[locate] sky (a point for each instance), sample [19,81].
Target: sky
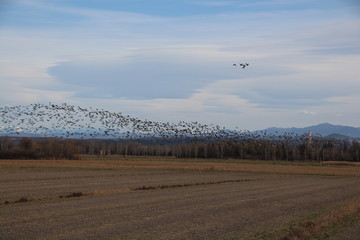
[173,60]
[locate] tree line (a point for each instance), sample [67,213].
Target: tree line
[321,149]
[43,148]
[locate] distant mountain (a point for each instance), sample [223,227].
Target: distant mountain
[324,129]
[342,137]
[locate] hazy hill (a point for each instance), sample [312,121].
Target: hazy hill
[324,129]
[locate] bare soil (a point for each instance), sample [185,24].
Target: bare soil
[156,203]
[196,165]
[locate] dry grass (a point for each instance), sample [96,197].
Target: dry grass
[177,164]
[81,197]
[190,184]
[108,192]
[72,195]
[341,163]
[327,219]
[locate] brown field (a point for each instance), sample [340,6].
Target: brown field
[168,198]
[169,163]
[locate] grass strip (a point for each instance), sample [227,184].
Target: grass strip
[263,167]
[106,192]
[329,218]
[189,184]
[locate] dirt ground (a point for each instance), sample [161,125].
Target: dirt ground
[193,164]
[39,203]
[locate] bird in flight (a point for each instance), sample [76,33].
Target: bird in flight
[242,65]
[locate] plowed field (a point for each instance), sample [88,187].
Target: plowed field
[72,202]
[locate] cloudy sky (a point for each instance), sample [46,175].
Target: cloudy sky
[173,60]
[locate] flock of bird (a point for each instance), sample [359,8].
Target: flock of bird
[53,120]
[243,65]
[68,121]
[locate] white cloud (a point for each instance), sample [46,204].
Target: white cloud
[181,67]
[17,94]
[306,112]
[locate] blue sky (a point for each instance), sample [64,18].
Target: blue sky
[173,60]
